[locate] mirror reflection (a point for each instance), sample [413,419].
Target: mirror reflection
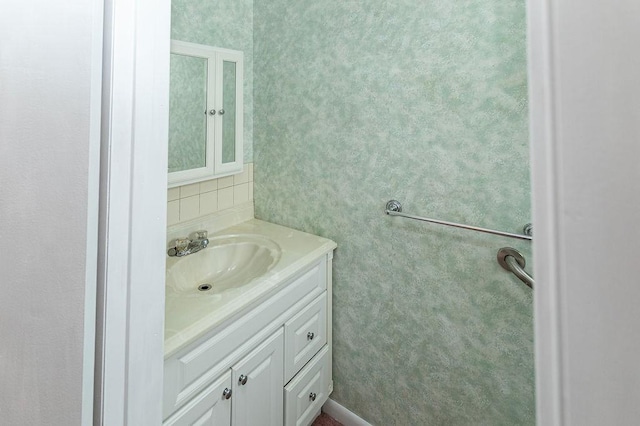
[229,105]
[187,113]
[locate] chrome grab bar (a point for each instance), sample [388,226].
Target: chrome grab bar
[394,208]
[512,260]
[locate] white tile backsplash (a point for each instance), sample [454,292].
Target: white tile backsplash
[208,185]
[173,194]
[225,198]
[241,193]
[212,196]
[225,182]
[241,178]
[173,212]
[189,190]
[208,202]
[189,207]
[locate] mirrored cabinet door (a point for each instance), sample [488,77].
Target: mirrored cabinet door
[230,97]
[205,113]
[187,113]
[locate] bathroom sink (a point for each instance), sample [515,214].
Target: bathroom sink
[229,262]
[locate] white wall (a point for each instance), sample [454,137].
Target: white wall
[49,58]
[586,162]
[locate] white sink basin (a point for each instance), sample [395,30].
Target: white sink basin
[229,262]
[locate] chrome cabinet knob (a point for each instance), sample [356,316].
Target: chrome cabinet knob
[310,336]
[226,393]
[212,112]
[221,112]
[242,380]
[312,396]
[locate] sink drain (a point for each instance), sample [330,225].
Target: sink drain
[204,287]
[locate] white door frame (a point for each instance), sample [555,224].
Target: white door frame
[544,201]
[130,320]
[585,155]
[133,198]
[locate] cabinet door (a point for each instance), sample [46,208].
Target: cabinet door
[211,407]
[229,122]
[258,383]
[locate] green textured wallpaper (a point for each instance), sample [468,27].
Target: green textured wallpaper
[358,102]
[221,23]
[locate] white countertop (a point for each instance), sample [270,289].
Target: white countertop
[188,318]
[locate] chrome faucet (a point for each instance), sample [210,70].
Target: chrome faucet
[187,246]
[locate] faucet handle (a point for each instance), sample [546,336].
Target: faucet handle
[182,244]
[201,234]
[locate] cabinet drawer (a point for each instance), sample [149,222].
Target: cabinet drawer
[304,335]
[308,391]
[208,408]
[193,368]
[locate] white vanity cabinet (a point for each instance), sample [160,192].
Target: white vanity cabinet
[269,365]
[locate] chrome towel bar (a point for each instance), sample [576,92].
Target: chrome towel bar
[394,208]
[512,260]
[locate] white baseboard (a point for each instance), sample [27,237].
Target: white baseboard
[341,414]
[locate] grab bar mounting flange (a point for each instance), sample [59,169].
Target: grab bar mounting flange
[508,251]
[513,261]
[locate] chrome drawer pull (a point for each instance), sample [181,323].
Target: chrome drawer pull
[312,396]
[310,336]
[243,380]
[226,393]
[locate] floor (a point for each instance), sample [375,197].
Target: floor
[326,420]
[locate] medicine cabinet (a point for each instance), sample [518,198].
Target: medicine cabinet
[205,113]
